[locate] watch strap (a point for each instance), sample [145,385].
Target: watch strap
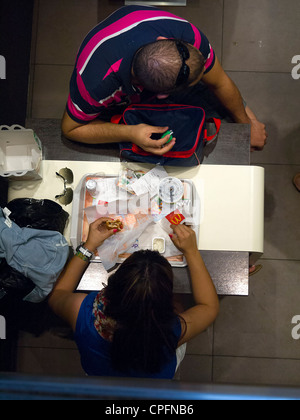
[84,253]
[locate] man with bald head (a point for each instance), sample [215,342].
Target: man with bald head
[140,54]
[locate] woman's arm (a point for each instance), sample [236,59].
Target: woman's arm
[63,301]
[203,314]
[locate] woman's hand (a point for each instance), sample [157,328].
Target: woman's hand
[184,239]
[98,233]
[142,137]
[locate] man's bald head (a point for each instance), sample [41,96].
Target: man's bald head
[156,66]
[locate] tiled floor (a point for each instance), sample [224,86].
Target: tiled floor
[251,341]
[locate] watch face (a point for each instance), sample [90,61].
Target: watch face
[87,252]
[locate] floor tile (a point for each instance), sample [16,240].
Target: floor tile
[274,98]
[50,92]
[207,15]
[256,371]
[261,324]
[202,344]
[196,368]
[106,7]
[282,213]
[45,361]
[55,338]
[62,26]
[260,35]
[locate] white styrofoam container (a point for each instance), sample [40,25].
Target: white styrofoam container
[20,153]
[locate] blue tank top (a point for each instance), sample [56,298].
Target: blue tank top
[95,350]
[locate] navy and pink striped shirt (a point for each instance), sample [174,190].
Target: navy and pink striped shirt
[102,73]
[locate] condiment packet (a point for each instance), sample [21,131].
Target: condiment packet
[175,218]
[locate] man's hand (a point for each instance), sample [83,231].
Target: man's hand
[142,137]
[258,131]
[258,135]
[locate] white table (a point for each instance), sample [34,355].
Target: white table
[231,221]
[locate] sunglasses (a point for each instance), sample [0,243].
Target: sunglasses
[184,72]
[67,196]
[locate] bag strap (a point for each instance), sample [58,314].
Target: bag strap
[217,123]
[115,119]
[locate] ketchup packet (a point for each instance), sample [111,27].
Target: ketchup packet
[175,218]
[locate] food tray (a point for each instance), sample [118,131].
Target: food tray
[83,199]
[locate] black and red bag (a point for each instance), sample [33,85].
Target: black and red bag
[188,124]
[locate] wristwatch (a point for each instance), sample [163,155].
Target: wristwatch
[84,253]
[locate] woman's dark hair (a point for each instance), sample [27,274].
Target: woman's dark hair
[140,299]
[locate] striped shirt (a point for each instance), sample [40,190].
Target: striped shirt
[102,73]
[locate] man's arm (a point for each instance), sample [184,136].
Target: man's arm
[94,132]
[229,95]
[100,132]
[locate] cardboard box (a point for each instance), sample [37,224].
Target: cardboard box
[20,153]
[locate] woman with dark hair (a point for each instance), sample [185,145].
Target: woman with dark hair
[131,327]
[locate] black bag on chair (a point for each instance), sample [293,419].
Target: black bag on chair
[38,214]
[35,214]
